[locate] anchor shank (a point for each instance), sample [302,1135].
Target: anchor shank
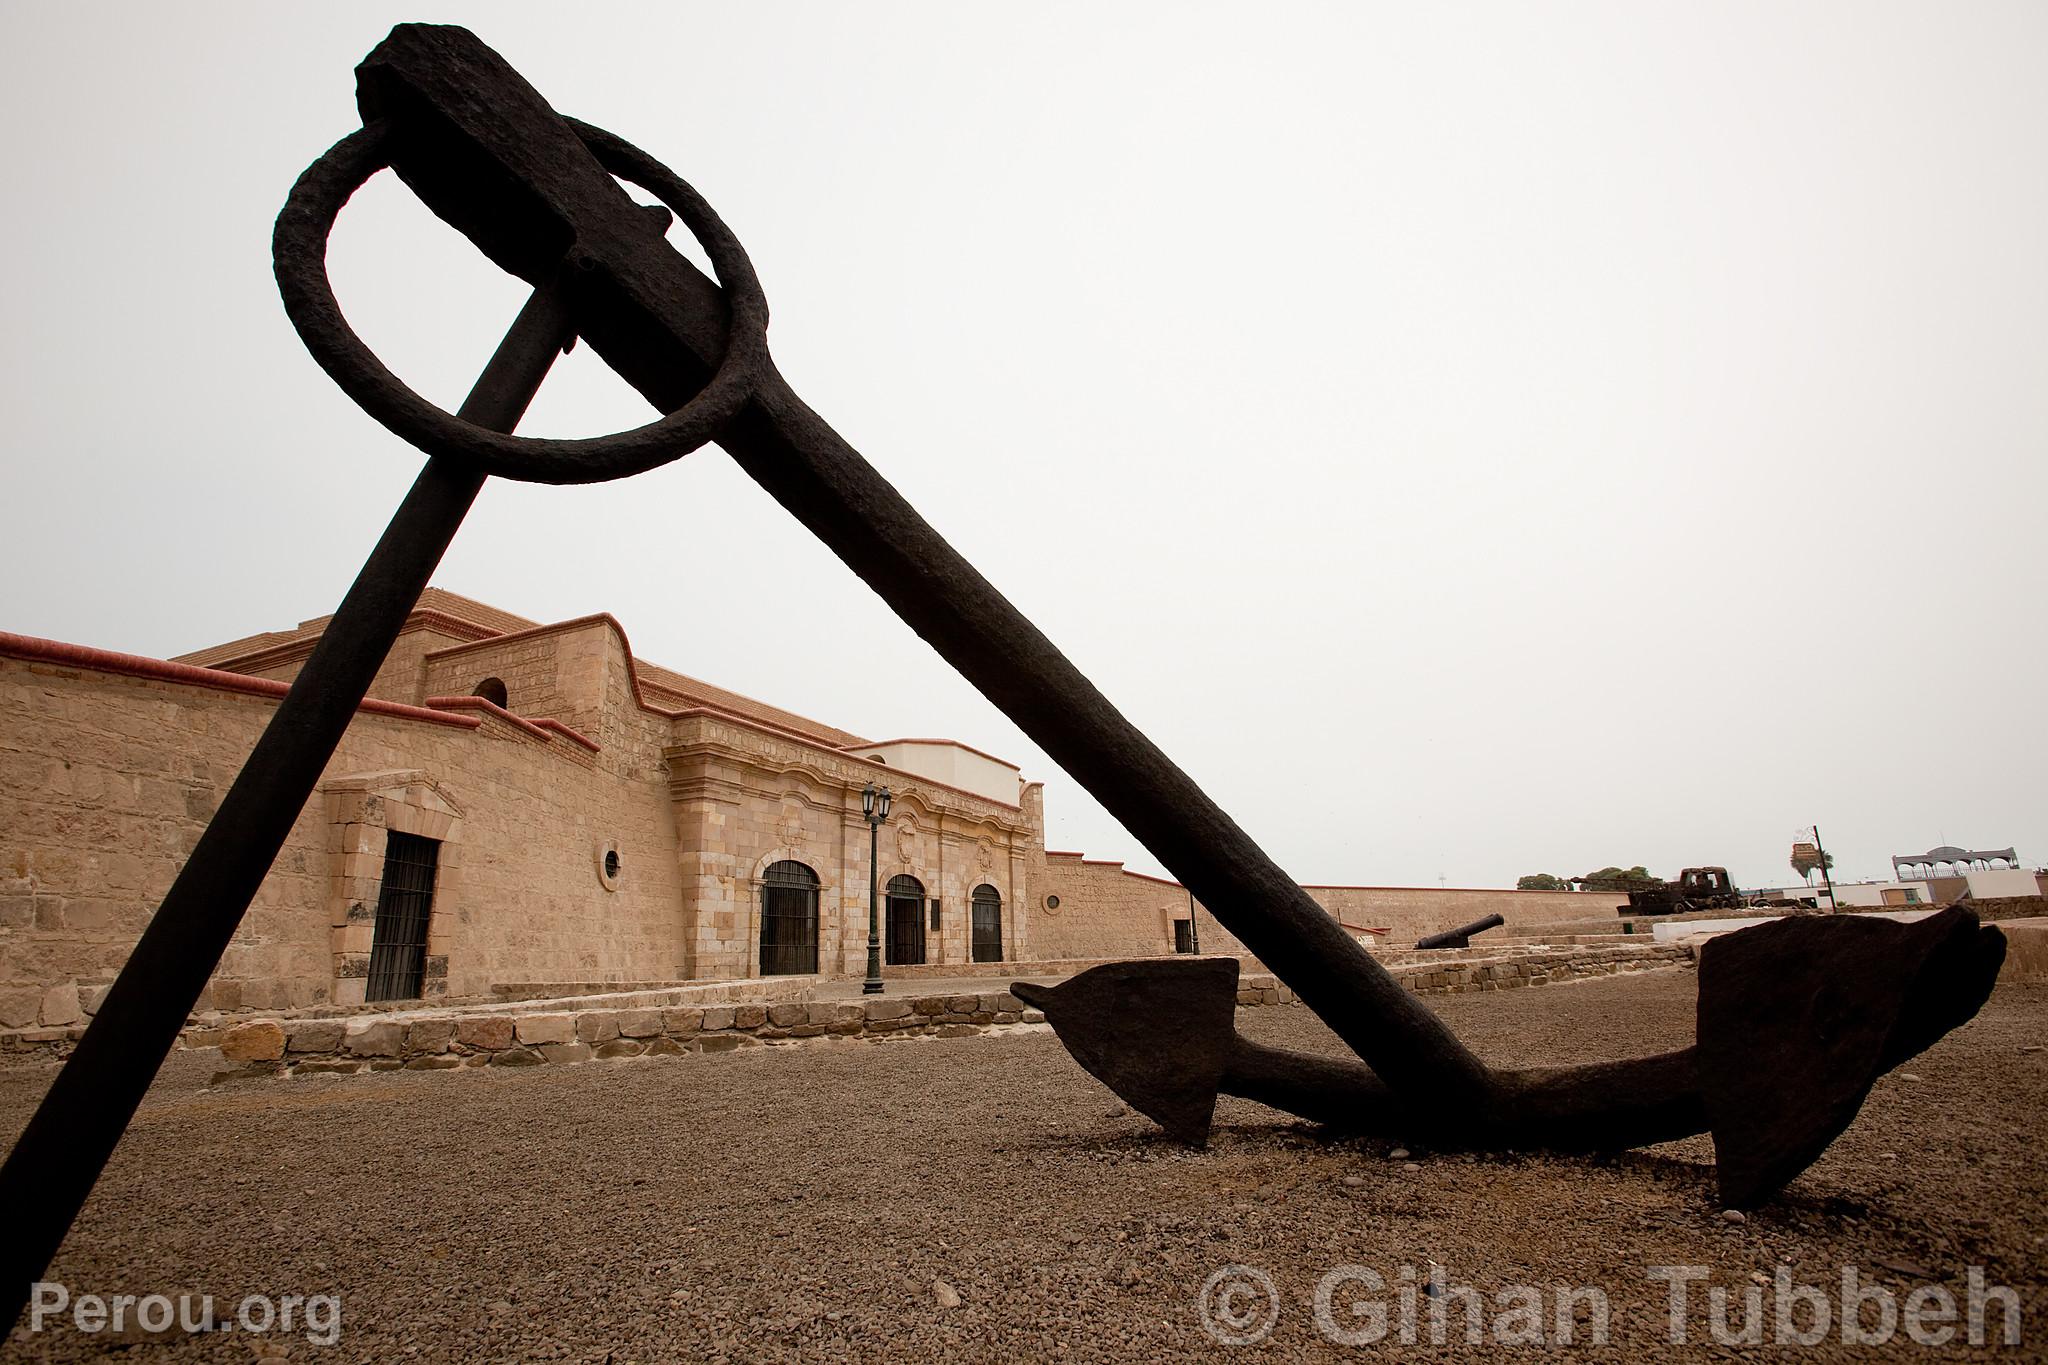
[60,1154]
[486,153]
[807,467]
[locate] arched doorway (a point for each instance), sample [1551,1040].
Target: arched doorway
[789,920]
[906,921]
[493,691]
[987,924]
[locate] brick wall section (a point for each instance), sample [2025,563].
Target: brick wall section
[1106,910]
[107,780]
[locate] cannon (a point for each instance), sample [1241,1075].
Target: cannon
[1460,937]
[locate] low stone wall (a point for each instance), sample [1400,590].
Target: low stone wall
[676,992]
[523,1033]
[2026,950]
[445,1042]
[1454,972]
[1050,967]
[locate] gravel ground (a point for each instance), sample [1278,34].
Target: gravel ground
[982,1199]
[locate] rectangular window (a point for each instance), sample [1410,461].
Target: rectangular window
[1183,936]
[398,943]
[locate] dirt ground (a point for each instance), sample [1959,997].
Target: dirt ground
[807,1201]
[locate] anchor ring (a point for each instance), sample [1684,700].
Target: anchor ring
[299,259]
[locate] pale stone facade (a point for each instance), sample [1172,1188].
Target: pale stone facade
[612,822]
[577,816]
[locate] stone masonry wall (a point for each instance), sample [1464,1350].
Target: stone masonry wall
[438,1041]
[746,798]
[1107,912]
[1412,912]
[107,780]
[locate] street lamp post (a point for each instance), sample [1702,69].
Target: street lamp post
[874,804]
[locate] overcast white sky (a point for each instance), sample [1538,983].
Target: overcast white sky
[1471,440]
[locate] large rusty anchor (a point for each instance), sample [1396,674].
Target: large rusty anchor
[1796,1020]
[536,192]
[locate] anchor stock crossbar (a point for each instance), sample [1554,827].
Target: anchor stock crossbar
[535,191]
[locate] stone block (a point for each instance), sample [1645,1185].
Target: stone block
[314,1035]
[669,1047]
[429,1036]
[958,1031]
[545,1028]
[19,1008]
[749,1016]
[822,1012]
[386,1063]
[490,1032]
[597,1026]
[620,1047]
[332,1066]
[719,1042]
[441,1063]
[374,1038]
[566,1052]
[994,1004]
[259,1041]
[716,1018]
[878,1011]
[516,1056]
[962,1004]
[929,1005]
[682,1021]
[93,998]
[60,1006]
[788,1015]
[807,1031]
[639,1023]
[1033,1016]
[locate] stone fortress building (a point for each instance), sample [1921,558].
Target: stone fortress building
[523,806]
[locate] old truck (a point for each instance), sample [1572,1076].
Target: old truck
[1697,888]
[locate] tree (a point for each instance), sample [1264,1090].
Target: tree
[1542,881]
[1806,863]
[1618,879]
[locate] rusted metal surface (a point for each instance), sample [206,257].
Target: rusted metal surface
[1796,1020]
[1800,1016]
[535,192]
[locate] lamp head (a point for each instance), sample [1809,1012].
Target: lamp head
[867,800]
[882,803]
